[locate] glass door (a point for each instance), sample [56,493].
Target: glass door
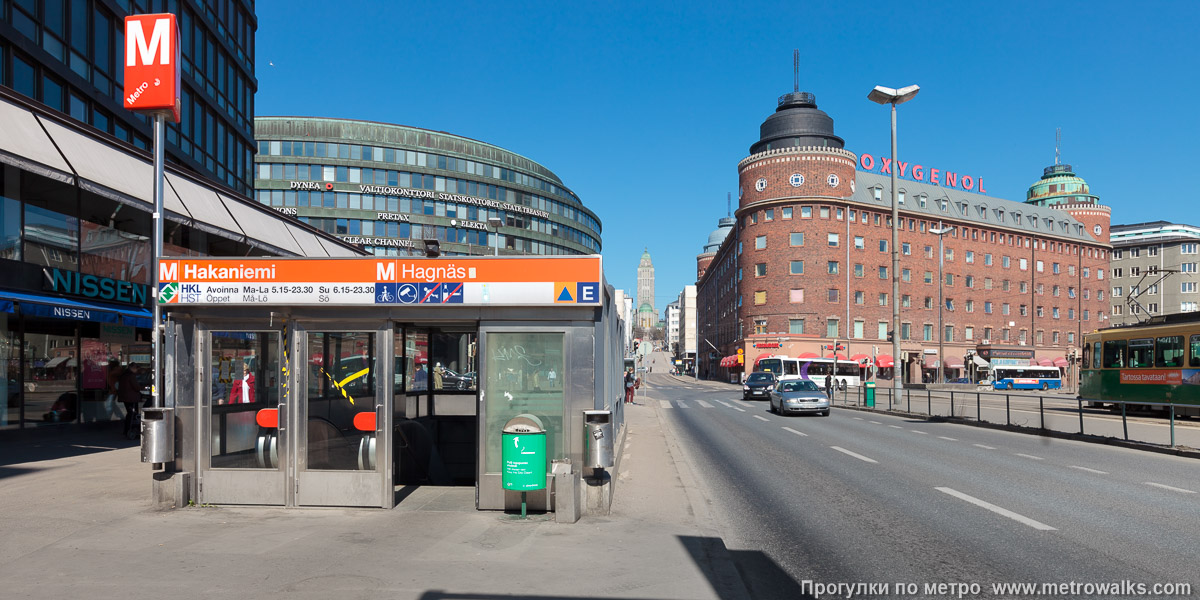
[341,423]
[241,446]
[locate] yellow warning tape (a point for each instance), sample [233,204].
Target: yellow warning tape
[341,385]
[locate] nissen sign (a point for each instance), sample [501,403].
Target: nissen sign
[94,286]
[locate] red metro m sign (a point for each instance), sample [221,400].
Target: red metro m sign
[152,64]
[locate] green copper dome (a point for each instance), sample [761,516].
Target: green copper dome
[1060,185]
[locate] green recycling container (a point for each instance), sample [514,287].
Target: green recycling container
[870,394]
[524,461]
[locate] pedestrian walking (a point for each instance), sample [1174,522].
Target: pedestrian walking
[829,385]
[130,394]
[630,381]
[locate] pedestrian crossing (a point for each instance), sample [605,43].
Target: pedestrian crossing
[738,405]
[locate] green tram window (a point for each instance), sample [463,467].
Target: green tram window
[1168,351]
[1087,355]
[1194,354]
[1096,355]
[1141,353]
[1114,354]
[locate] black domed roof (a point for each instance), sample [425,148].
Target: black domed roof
[797,122]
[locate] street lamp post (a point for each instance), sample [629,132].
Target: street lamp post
[941,233]
[496,222]
[885,95]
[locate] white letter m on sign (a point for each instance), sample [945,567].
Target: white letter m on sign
[136,42]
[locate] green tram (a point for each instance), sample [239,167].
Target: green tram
[1156,361]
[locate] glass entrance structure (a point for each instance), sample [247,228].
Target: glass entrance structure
[302,382]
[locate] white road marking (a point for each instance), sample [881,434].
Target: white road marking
[1167,487]
[982,446]
[948,439]
[1089,470]
[895,427]
[919,431]
[858,418]
[762,418]
[704,404]
[1030,456]
[800,433]
[875,422]
[665,404]
[854,454]
[996,509]
[725,404]
[745,404]
[738,409]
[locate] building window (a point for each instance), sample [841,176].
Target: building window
[760,270]
[754,218]
[950,304]
[796,326]
[969,281]
[1184,268]
[786,212]
[1005,262]
[883,272]
[970,257]
[760,297]
[883,299]
[858,270]
[949,278]
[970,306]
[948,333]
[833,240]
[905,275]
[832,295]
[906,301]
[769,214]
[832,267]
[987,307]
[796,239]
[831,328]
[859,244]
[927,333]
[928,301]
[805,212]
[824,212]
[858,329]
[1187,287]
[858,297]
[1187,248]
[796,296]
[905,331]
[906,249]
[760,242]
[929,277]
[968,333]
[797,267]
[987,260]
[760,326]
[883,245]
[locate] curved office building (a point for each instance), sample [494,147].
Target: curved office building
[390,188]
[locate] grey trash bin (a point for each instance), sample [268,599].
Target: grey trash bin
[158,435]
[598,428]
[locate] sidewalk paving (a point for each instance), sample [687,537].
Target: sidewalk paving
[78,523]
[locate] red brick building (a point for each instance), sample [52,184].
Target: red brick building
[807,263]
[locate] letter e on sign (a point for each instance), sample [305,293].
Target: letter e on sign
[152,64]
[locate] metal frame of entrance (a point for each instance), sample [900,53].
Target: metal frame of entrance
[589,379]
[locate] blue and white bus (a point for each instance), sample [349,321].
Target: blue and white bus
[1026,378]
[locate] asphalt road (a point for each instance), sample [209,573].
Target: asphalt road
[864,498]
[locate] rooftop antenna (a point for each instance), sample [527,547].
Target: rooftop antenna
[796,70]
[1057,143]
[728,204]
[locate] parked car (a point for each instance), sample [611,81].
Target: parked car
[799,396]
[959,380]
[758,385]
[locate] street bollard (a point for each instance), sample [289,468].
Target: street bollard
[1080,400]
[1124,423]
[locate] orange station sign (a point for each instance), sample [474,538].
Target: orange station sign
[152,64]
[517,281]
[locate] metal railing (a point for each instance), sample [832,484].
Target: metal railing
[1054,412]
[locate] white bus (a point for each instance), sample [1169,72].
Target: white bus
[1026,378]
[845,372]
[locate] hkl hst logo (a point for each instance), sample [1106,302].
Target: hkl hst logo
[178,293]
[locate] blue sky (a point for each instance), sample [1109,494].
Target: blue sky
[644,109]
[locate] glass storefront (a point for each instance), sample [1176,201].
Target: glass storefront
[244,369]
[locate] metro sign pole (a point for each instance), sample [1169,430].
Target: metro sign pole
[152,87]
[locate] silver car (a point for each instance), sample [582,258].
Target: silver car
[799,396]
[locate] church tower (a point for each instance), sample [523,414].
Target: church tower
[647,316]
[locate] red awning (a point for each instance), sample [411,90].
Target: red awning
[860,358]
[884,361]
[807,355]
[1045,362]
[954,362]
[1060,362]
[725,362]
[931,362]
